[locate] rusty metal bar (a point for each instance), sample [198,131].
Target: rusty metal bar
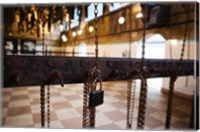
[40,70]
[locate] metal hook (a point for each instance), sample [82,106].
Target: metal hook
[55,76]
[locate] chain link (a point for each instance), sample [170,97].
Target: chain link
[129,86]
[96,32]
[42,89]
[130,89]
[170,102]
[85,119]
[48,106]
[173,77]
[143,41]
[185,36]
[130,103]
[43,25]
[143,90]
[130,34]
[142,103]
[133,102]
[88,120]
[93,109]
[42,105]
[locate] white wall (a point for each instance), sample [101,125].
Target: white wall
[107,50]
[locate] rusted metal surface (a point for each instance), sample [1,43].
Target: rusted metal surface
[41,70]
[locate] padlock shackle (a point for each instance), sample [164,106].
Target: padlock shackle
[100,81]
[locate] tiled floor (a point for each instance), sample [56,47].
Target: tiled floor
[21,108]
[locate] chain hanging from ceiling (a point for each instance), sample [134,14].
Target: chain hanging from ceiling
[130,102]
[42,105]
[42,90]
[143,89]
[130,88]
[174,74]
[91,96]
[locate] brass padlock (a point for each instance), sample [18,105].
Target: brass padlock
[96,97]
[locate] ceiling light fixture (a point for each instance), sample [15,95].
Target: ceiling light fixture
[80,32]
[121,20]
[64,38]
[74,34]
[91,28]
[139,15]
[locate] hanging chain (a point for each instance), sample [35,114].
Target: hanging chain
[48,106]
[129,86]
[43,24]
[170,101]
[42,88]
[85,121]
[96,32]
[185,36]
[142,104]
[173,78]
[92,110]
[130,34]
[43,39]
[143,90]
[143,42]
[133,102]
[130,103]
[42,105]
[130,89]
[88,120]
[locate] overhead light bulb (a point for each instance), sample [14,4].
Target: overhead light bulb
[74,34]
[139,15]
[80,32]
[64,38]
[91,28]
[121,20]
